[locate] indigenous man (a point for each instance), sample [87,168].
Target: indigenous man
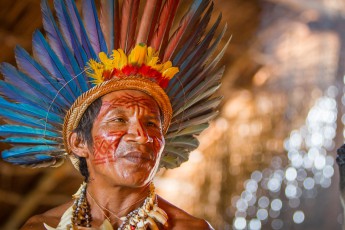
[130,121]
[121,142]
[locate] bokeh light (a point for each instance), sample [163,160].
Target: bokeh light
[308,168]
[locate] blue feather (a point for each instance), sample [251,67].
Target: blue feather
[11,130]
[69,32]
[14,93]
[27,84]
[31,150]
[11,76]
[32,111]
[25,120]
[80,29]
[33,69]
[93,27]
[37,159]
[18,95]
[58,43]
[28,140]
[79,53]
[47,57]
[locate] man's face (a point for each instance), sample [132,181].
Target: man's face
[127,139]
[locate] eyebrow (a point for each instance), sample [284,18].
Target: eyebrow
[151,115]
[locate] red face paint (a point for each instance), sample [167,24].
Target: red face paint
[127,136]
[105,146]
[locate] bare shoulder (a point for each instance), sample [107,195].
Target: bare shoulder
[179,219]
[51,217]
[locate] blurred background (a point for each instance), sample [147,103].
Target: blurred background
[268,160]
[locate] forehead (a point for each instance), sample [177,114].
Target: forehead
[130,98]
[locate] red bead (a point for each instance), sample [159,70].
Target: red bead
[132,227]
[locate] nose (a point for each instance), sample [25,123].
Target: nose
[138,133]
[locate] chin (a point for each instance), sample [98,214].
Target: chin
[138,178]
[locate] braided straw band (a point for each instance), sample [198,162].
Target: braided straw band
[145,85]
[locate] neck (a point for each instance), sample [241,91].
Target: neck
[112,202]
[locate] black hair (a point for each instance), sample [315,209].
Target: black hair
[83,131]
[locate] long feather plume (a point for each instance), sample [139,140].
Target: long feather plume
[15,78]
[129,19]
[13,130]
[28,141]
[80,29]
[31,111]
[46,56]
[93,27]
[28,65]
[25,120]
[148,20]
[22,151]
[196,110]
[107,22]
[14,93]
[195,60]
[78,50]
[165,21]
[27,84]
[188,21]
[194,39]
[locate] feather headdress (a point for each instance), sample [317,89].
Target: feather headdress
[85,55]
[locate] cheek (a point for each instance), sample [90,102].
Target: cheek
[158,144]
[104,147]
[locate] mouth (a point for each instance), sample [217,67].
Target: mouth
[137,157]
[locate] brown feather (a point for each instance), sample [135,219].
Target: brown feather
[188,22]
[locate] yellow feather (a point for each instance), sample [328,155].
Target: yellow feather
[97,71]
[141,54]
[123,61]
[138,55]
[170,72]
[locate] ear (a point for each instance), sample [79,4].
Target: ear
[78,146]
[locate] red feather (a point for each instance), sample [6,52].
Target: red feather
[148,20]
[117,28]
[106,21]
[165,21]
[129,18]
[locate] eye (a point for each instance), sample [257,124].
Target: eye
[153,124]
[118,119]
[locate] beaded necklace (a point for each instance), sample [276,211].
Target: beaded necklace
[146,216]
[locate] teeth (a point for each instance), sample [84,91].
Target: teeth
[157,216]
[159,210]
[140,224]
[141,213]
[152,224]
